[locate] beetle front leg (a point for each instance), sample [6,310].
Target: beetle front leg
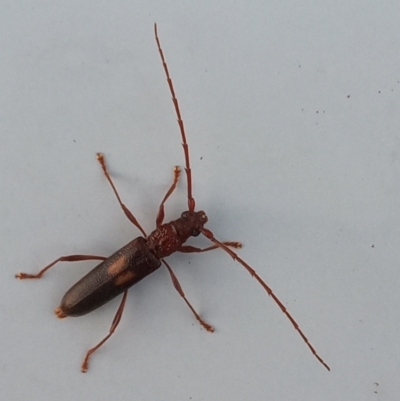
[178,287]
[160,214]
[194,249]
[70,258]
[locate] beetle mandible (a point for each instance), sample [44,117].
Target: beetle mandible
[142,256]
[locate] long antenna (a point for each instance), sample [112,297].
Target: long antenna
[207,233]
[191,202]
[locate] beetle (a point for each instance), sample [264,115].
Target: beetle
[145,254]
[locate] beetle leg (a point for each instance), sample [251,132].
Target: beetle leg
[190,249]
[128,213]
[116,320]
[70,258]
[160,214]
[178,287]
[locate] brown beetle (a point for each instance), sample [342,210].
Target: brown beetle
[142,256]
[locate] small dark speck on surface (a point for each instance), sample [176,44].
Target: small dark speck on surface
[201,157]
[348,96]
[372,246]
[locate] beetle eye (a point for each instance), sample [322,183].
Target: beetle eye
[184,215]
[195,233]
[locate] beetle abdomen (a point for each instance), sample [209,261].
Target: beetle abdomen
[110,278]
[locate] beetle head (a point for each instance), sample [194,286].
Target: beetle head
[190,223]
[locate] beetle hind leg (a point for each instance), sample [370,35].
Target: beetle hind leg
[116,320]
[70,258]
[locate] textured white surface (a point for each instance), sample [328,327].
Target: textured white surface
[292,116]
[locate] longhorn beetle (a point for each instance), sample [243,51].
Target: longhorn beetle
[142,256]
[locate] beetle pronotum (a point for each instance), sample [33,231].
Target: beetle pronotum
[142,256]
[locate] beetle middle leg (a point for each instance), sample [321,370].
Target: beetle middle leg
[115,322]
[178,287]
[70,258]
[128,213]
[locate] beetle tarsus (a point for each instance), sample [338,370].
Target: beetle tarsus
[22,276]
[208,327]
[85,366]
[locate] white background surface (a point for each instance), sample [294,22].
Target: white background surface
[292,116]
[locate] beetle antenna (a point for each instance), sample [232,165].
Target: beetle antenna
[191,202]
[207,233]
